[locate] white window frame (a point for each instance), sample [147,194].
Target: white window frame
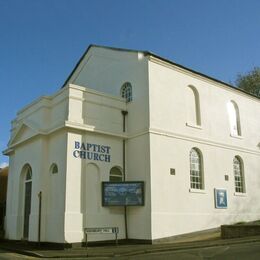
[239,179]
[196,172]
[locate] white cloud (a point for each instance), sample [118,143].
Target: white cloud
[3,164]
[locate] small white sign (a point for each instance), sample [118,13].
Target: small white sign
[106,230]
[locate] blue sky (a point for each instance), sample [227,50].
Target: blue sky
[42,40]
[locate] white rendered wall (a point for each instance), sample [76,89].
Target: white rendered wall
[55,188]
[138,169]
[39,154]
[169,112]
[83,206]
[67,207]
[106,70]
[15,196]
[175,209]
[34,142]
[96,117]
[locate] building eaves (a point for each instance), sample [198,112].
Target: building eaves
[148,53]
[202,75]
[98,46]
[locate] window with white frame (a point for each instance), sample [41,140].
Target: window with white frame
[126,92]
[234,119]
[196,175]
[238,175]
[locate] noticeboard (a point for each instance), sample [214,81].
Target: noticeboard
[130,193]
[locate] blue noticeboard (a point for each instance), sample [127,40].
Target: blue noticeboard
[220,198]
[123,193]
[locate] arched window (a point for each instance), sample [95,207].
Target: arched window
[193,106]
[54,168]
[238,175]
[115,174]
[196,174]
[234,120]
[126,91]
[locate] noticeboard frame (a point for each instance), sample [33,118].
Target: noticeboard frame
[105,203]
[221,200]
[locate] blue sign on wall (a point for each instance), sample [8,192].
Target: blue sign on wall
[220,198]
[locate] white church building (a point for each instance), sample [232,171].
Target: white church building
[132,116]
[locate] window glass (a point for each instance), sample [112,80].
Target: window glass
[115,175]
[54,168]
[28,174]
[196,181]
[126,91]
[238,175]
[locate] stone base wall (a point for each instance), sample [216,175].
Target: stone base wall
[234,231]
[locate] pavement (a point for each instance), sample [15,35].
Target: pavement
[190,241]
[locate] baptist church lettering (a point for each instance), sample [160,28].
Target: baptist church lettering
[91,151]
